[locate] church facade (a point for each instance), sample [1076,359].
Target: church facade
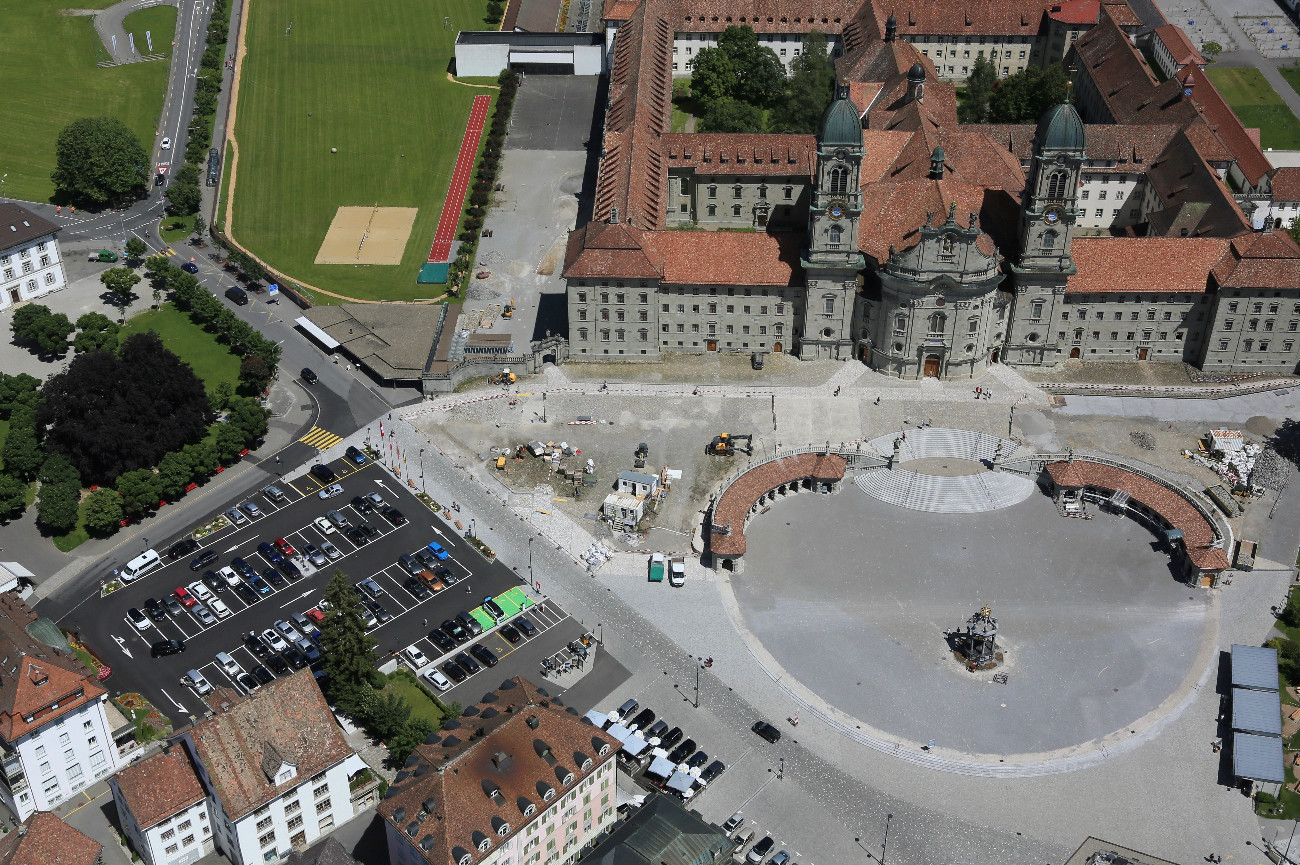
[898,238]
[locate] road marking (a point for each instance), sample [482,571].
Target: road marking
[232,549]
[437,531]
[121,644]
[163,691]
[320,439]
[306,594]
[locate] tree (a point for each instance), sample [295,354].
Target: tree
[230,443]
[36,326]
[254,375]
[1023,97]
[221,395]
[348,658]
[203,459]
[247,416]
[387,716]
[732,115]
[1294,230]
[135,248]
[102,511]
[979,88]
[99,160]
[96,332]
[13,496]
[110,414]
[141,491]
[18,390]
[121,281]
[737,68]
[56,507]
[57,470]
[1211,51]
[184,198]
[22,455]
[174,474]
[413,732]
[809,90]
[199,226]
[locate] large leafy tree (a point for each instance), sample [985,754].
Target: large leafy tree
[248,416]
[22,455]
[135,248]
[1023,97]
[46,331]
[732,115]
[738,68]
[56,507]
[18,390]
[110,414]
[174,473]
[99,160]
[95,332]
[102,511]
[979,89]
[13,496]
[413,732]
[348,659]
[203,459]
[808,91]
[141,490]
[254,374]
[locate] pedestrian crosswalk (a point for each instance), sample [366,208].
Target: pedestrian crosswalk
[320,439]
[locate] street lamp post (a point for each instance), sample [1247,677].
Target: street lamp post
[884,847]
[601,638]
[543,408]
[471,528]
[697,684]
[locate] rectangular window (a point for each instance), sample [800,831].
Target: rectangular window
[1097,213]
[295,821]
[1084,195]
[172,848]
[1223,345]
[264,824]
[267,839]
[187,840]
[1129,336]
[168,835]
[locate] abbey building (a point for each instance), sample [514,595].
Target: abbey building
[1140,222]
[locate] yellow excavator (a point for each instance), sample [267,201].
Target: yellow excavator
[506,377]
[725,444]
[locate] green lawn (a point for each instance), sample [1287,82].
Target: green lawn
[50,79]
[210,360]
[159,22]
[1257,105]
[373,78]
[172,235]
[421,705]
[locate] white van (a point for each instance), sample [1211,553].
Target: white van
[140,565]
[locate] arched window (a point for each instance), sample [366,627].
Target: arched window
[839,180]
[1056,185]
[937,322]
[1049,241]
[735,210]
[834,236]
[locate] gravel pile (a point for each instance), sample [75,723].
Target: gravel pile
[1144,440]
[1271,470]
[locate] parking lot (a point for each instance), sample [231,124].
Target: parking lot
[403,610]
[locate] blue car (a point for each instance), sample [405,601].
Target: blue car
[270,553]
[244,569]
[355,455]
[259,585]
[438,551]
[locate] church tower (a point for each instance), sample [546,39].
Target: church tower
[832,262]
[1049,213]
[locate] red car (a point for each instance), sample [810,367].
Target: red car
[315,615]
[285,547]
[183,595]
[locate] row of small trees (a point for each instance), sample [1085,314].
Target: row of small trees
[485,180]
[1019,98]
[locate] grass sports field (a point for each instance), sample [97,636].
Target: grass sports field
[50,78]
[373,78]
[1257,105]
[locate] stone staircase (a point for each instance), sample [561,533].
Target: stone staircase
[941,442]
[962,494]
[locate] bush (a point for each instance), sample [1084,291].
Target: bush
[478,198]
[56,507]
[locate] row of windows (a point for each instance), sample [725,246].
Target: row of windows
[738,190]
[955,40]
[1249,344]
[1134,315]
[31,283]
[1258,307]
[966,54]
[24,254]
[1253,324]
[1114,335]
[643,335]
[713,308]
[643,297]
[937,322]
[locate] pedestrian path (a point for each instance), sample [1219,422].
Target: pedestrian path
[320,439]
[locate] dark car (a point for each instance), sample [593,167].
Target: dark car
[263,674]
[173,606]
[511,634]
[455,630]
[644,719]
[445,574]
[202,560]
[523,624]
[309,376]
[426,558]
[295,658]
[289,569]
[256,646]
[154,609]
[682,751]
[767,731]
[259,585]
[713,771]
[324,473]
[247,595]
[243,568]
[368,529]
[381,615]
[441,640]
[698,759]
[672,737]
[275,662]
[180,548]
[417,588]
[761,849]
[166,647]
[356,536]
[468,664]
[272,576]
[484,654]
[213,582]
[394,516]
[453,671]
[355,455]
[270,553]
[362,505]
[190,267]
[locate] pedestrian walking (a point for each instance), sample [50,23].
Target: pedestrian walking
[426,623]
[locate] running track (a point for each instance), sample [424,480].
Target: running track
[441,250]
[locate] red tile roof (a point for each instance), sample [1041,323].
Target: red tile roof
[46,840]
[1286,184]
[517,742]
[739,154]
[1177,511]
[1123,15]
[36,677]
[1266,259]
[896,212]
[619,10]
[730,511]
[599,250]
[159,786]
[765,16]
[1178,45]
[1149,264]
[287,719]
[731,257]
[974,18]
[1075,11]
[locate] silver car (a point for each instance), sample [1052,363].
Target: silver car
[203,614]
[315,556]
[235,517]
[251,509]
[330,550]
[274,640]
[288,631]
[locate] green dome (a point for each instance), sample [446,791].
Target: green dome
[1060,129]
[842,124]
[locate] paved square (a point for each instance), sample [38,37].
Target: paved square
[852,597]
[367,235]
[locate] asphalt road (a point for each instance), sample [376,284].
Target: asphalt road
[103,625]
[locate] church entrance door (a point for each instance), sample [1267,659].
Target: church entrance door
[711,345]
[1142,354]
[1074,353]
[932,366]
[777,348]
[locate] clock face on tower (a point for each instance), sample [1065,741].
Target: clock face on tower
[841,155]
[1052,215]
[836,209]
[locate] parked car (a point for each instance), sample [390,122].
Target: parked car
[288,631]
[246,594]
[229,576]
[295,658]
[454,672]
[767,731]
[183,595]
[355,455]
[356,536]
[314,555]
[671,738]
[309,649]
[235,517]
[759,851]
[330,491]
[247,683]
[454,629]
[244,568]
[466,663]
[276,663]
[324,473]
[442,640]
[368,529]
[204,615]
[713,771]
[734,822]
[696,760]
[304,624]
[289,569]
[381,615]
[511,633]
[483,654]
[410,564]
[370,587]
[376,499]
[204,559]
[219,608]
[338,519]
[251,509]
[200,591]
[438,551]
[437,679]
[173,606]
[260,586]
[363,506]
[166,647]
[471,624]
[275,495]
[272,576]
[644,719]
[416,588]
[325,526]
[214,581]
[255,645]
[228,664]
[154,610]
[524,624]
[180,548]
[194,679]
[394,516]
[415,657]
[273,639]
[331,551]
[263,675]
[270,553]
[493,609]
[285,547]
